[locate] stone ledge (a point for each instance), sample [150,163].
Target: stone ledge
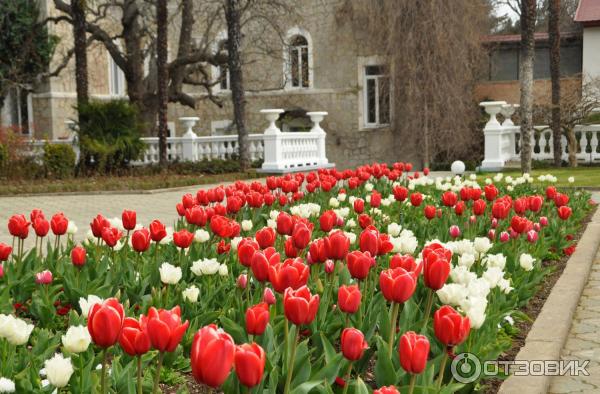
[550,330]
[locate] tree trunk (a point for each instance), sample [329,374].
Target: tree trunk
[573,147]
[162,75]
[528,11]
[554,37]
[80,50]
[238,99]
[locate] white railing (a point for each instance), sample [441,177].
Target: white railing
[282,152]
[503,140]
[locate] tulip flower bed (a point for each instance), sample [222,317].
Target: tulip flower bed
[359,281]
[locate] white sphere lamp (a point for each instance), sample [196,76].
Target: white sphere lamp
[457,168]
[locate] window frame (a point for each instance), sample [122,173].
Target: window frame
[376,78]
[120,78]
[288,48]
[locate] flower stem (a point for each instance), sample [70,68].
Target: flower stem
[347,377]
[290,370]
[81,372]
[395,306]
[428,307]
[442,368]
[411,387]
[103,376]
[157,377]
[139,374]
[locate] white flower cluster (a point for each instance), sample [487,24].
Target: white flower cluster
[405,243]
[58,370]
[76,339]
[304,210]
[548,178]
[15,330]
[209,267]
[7,386]
[169,274]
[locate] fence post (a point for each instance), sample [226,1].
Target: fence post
[493,133]
[188,147]
[317,118]
[272,142]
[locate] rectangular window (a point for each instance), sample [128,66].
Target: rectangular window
[377,96]
[116,78]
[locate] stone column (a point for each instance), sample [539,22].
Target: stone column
[188,139]
[507,111]
[317,118]
[273,161]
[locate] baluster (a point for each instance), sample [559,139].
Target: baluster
[565,147]
[594,145]
[550,146]
[582,145]
[230,149]
[252,150]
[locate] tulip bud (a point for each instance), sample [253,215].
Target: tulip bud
[1,271]
[504,236]
[532,236]
[43,278]
[329,266]
[492,234]
[494,223]
[472,219]
[543,221]
[242,281]
[454,231]
[78,256]
[268,296]
[537,227]
[513,234]
[353,344]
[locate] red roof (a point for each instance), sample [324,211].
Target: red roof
[588,11]
[540,36]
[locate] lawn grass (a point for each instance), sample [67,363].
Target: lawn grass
[584,176]
[117,183]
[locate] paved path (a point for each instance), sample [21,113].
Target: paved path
[83,208]
[583,342]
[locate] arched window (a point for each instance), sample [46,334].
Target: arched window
[298,56]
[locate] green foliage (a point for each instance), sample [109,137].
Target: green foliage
[59,160]
[3,157]
[26,47]
[109,135]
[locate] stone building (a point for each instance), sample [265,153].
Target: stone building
[319,66]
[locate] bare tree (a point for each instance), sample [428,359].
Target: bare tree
[234,38]
[528,11]
[162,76]
[434,54]
[554,38]
[80,48]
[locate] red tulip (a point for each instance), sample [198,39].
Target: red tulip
[289,248]
[479,207]
[564,212]
[165,328]
[359,205]
[416,199]
[359,264]
[386,390]
[268,296]
[41,226]
[242,281]
[317,253]
[78,256]
[157,230]
[375,201]
[36,213]
[327,220]
[129,219]
[291,273]
[5,251]
[140,240]
[364,220]
[449,198]
[261,261]
[501,208]
[250,364]
[490,192]
[257,318]
[450,327]
[183,238]
[349,298]
[459,208]
[429,211]
[212,356]
[245,251]
[520,224]
[301,235]
[105,322]
[265,237]
[196,215]
[18,226]
[111,235]
[300,307]
[369,240]
[134,339]
[436,266]
[413,351]
[284,224]
[407,262]
[400,193]
[43,278]
[397,285]
[550,192]
[353,344]
[520,205]
[337,245]
[535,203]
[98,224]
[1,271]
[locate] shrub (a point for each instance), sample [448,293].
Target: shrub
[109,135]
[3,157]
[59,160]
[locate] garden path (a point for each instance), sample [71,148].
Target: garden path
[583,342]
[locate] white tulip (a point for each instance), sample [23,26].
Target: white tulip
[205,267]
[452,293]
[7,386]
[14,330]
[504,286]
[86,304]
[333,202]
[58,370]
[479,288]
[466,260]
[526,261]
[571,179]
[191,294]
[71,228]
[246,225]
[223,271]
[351,223]
[169,274]
[493,275]
[461,274]
[342,197]
[394,229]
[368,186]
[496,260]
[271,223]
[351,237]
[77,339]
[201,236]
[482,244]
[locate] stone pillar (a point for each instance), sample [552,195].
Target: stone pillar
[507,111]
[188,150]
[273,158]
[493,133]
[317,118]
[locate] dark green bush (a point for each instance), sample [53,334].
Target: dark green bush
[109,135]
[4,158]
[59,161]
